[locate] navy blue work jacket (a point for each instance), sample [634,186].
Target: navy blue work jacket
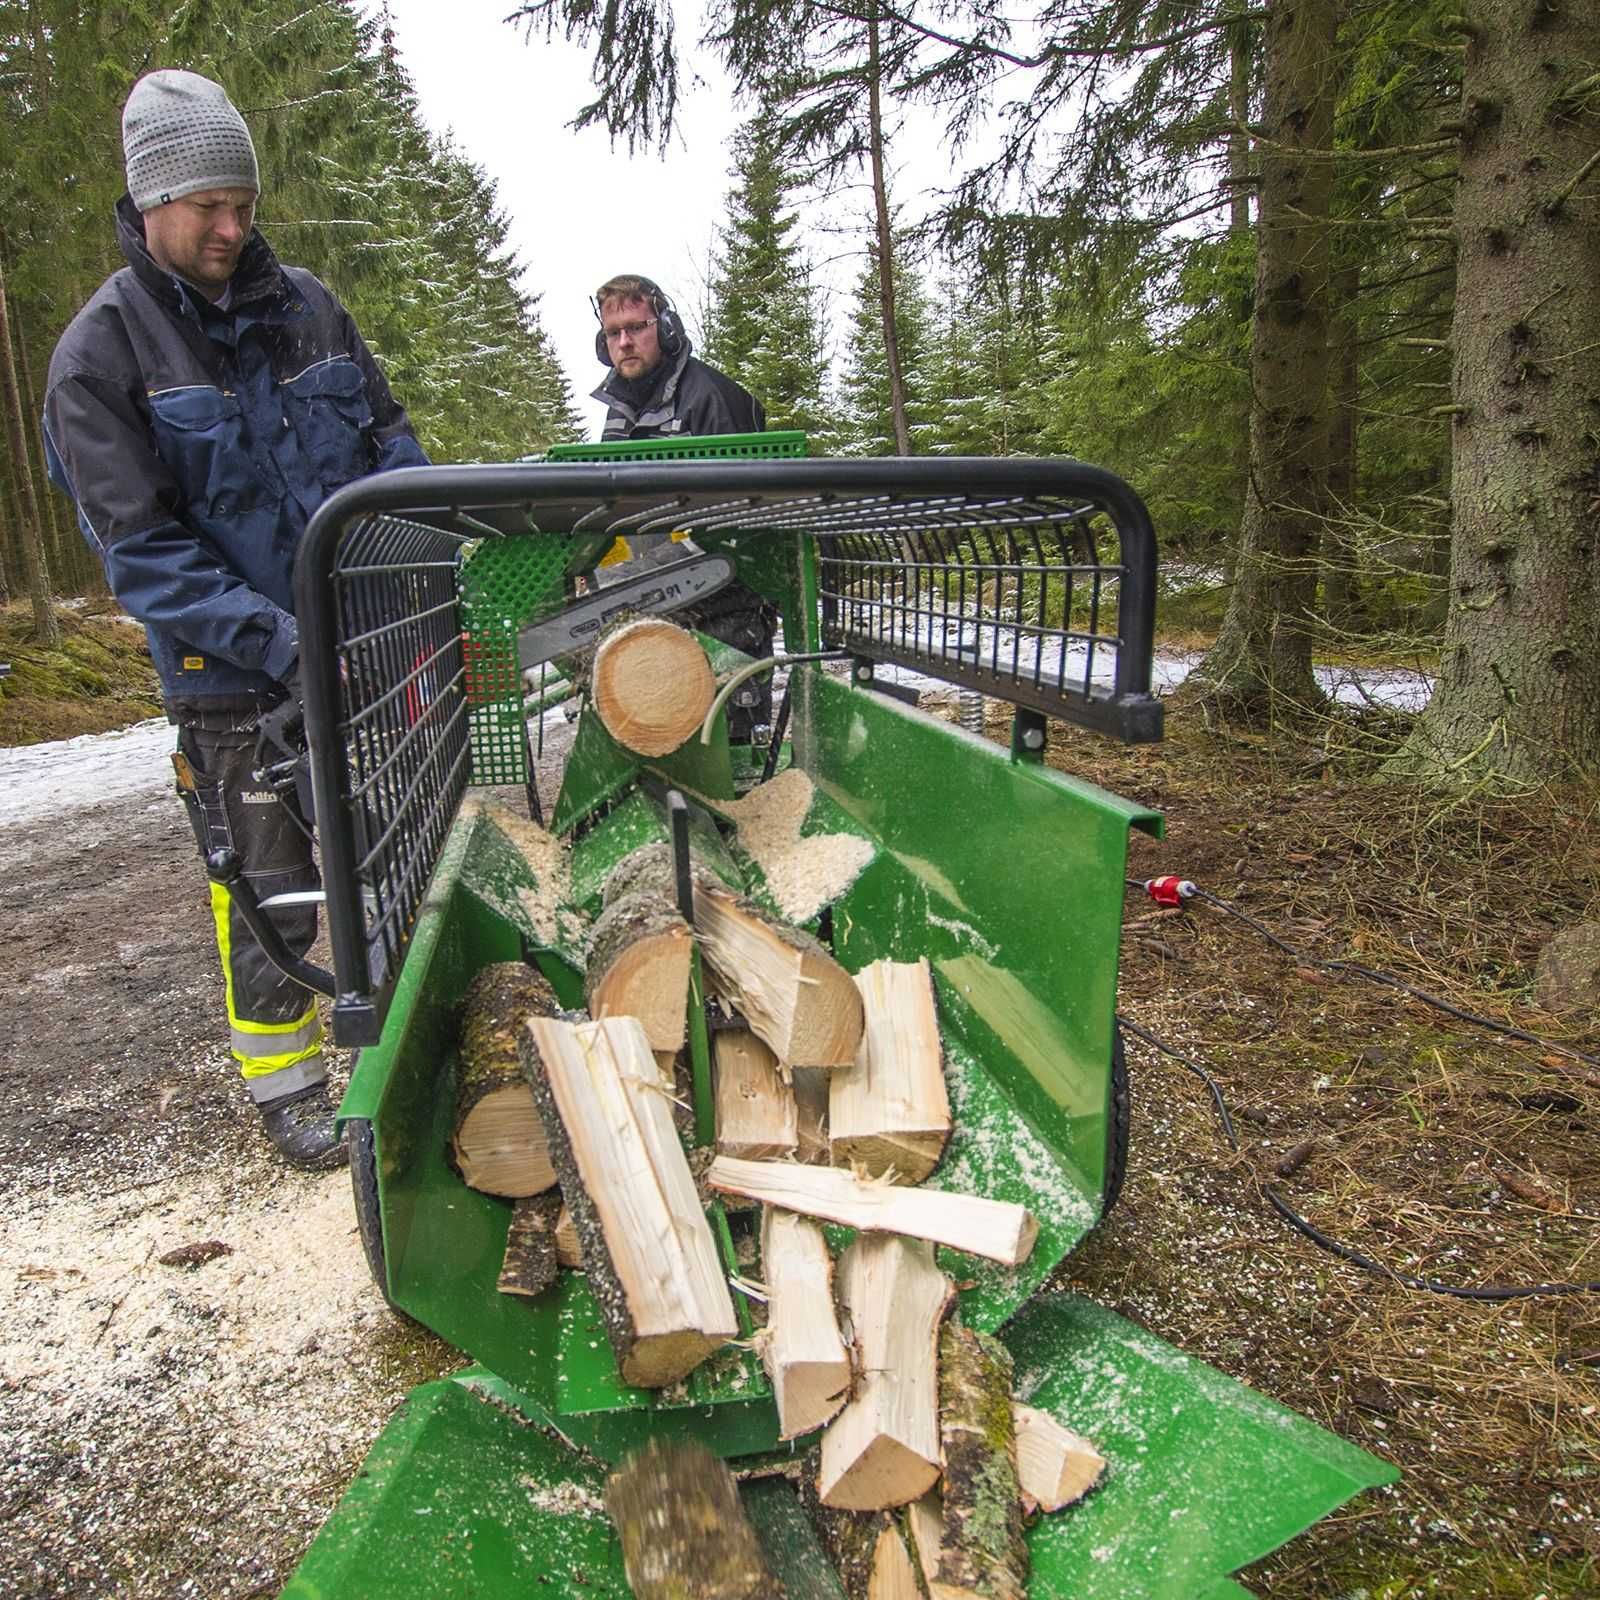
[196,443]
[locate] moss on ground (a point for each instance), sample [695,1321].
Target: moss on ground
[101,677]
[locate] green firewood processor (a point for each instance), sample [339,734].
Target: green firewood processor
[440,611]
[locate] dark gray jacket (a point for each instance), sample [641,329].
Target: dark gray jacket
[692,399]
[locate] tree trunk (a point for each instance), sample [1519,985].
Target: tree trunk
[1518,696]
[1341,600]
[885,247]
[1261,661]
[45,628]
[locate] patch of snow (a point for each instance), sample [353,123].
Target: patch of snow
[45,780]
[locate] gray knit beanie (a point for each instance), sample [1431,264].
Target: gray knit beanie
[180,134]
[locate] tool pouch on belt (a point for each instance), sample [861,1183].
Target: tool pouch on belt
[214,766]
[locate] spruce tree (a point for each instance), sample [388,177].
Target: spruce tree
[764,321]
[866,407]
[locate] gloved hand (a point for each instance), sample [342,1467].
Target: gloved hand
[281,731]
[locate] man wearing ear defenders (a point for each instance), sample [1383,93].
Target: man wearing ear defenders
[657,389]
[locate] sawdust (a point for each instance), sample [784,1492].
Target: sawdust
[803,873]
[109,1358]
[549,859]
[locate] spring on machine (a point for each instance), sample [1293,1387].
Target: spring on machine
[969,711]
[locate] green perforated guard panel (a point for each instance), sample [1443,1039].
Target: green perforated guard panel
[507,583]
[710,447]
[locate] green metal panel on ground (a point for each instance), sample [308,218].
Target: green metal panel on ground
[1009,878]
[459,1497]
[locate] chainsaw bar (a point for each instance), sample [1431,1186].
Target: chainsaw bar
[661,588]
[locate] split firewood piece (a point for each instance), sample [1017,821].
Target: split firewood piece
[530,1261]
[756,1112]
[996,1229]
[983,1552]
[638,966]
[781,981]
[925,1524]
[647,1247]
[651,684]
[569,1253]
[882,1450]
[868,1549]
[499,1141]
[1054,1465]
[889,1110]
[803,1353]
[811,1105]
[683,1530]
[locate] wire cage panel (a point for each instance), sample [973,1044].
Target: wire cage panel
[1019,601]
[1033,582]
[402,740]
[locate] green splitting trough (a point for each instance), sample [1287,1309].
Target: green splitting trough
[1008,876]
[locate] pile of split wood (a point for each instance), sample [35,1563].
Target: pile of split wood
[831,1106]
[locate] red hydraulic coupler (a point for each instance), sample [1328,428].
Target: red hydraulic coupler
[1170,890]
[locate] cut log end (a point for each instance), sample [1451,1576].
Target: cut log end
[651,685]
[1055,1467]
[498,1142]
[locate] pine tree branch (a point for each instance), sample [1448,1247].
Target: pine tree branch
[1049,53]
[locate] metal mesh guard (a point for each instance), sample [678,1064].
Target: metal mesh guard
[404,722]
[1016,602]
[1031,582]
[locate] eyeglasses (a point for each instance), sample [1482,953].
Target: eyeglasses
[634,330]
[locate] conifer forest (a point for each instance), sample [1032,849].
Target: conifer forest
[1320,279]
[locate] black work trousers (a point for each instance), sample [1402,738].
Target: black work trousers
[273,1025]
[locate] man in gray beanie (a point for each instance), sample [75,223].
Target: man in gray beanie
[198,410]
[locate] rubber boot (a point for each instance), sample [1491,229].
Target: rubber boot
[300,1126]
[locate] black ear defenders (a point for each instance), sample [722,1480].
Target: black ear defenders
[670,333]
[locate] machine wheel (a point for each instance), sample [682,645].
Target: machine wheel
[364,1184]
[1117,1123]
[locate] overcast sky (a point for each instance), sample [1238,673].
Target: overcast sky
[580,211]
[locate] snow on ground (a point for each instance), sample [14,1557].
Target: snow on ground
[41,780]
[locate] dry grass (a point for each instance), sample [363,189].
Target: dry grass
[1441,1148]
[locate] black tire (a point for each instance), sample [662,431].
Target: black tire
[1118,1118]
[364,1185]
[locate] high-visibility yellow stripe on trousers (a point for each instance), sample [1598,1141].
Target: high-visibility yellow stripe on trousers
[289,1054]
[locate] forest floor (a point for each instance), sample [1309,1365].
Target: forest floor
[172,1431]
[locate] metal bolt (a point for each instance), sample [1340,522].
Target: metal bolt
[1033,738]
[864,672]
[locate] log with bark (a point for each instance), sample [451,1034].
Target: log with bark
[882,1450]
[638,966]
[1054,1465]
[983,1554]
[530,1262]
[869,1550]
[648,1250]
[889,1111]
[499,1143]
[756,1112]
[684,1533]
[802,1350]
[996,1229]
[651,685]
[783,982]
[569,1253]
